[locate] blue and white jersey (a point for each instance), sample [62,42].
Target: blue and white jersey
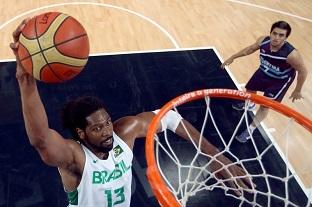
[274,64]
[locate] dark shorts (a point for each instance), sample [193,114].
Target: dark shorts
[273,88]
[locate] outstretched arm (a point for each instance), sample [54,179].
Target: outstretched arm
[51,146]
[132,127]
[186,130]
[244,52]
[229,171]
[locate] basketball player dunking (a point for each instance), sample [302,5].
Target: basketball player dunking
[95,166]
[279,61]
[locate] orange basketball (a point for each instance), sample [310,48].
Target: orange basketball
[54,47]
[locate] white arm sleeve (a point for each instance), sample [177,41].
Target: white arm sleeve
[171,120]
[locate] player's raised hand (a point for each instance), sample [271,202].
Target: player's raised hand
[16,33]
[20,71]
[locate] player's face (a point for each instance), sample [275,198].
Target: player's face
[99,131]
[278,37]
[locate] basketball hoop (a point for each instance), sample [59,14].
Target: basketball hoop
[166,194]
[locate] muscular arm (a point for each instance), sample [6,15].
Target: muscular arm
[130,128]
[295,60]
[53,149]
[51,146]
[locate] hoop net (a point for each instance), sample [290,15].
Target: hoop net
[175,179]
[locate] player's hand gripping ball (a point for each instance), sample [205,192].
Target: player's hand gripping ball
[53,47]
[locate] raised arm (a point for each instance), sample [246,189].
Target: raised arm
[244,52]
[51,146]
[295,60]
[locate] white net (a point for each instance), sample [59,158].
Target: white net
[185,168]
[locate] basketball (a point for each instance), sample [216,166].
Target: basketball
[53,47]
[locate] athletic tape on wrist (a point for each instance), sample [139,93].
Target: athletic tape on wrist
[170,121]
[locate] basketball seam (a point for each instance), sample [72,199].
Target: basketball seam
[47,29]
[41,51]
[77,37]
[43,32]
[67,64]
[76,68]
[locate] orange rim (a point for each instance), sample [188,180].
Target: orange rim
[159,187]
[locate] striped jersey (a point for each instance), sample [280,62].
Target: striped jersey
[105,182]
[274,64]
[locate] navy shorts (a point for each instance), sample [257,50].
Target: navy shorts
[273,88]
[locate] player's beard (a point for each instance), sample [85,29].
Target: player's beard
[102,147]
[106,148]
